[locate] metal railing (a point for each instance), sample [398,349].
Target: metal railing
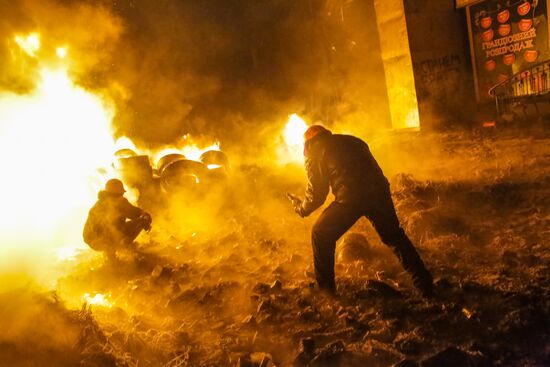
[527,84]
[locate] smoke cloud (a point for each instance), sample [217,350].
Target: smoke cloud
[229,69]
[88,32]
[221,69]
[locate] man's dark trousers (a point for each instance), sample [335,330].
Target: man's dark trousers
[337,218]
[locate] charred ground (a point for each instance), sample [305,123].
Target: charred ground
[479,212]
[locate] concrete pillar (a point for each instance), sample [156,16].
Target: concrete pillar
[396,57]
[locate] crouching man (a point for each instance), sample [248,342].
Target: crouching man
[345,164]
[113,223]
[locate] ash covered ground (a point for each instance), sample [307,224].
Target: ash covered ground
[238,290]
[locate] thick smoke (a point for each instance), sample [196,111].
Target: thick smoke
[230,70]
[219,70]
[89,33]
[40,135]
[234,70]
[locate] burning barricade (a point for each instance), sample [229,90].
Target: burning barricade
[174,172]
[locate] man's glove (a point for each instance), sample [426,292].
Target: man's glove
[296,203]
[146,220]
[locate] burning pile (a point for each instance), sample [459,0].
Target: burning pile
[186,168]
[51,142]
[56,148]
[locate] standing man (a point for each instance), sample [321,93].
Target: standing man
[345,164]
[113,223]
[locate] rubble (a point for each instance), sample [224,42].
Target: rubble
[329,355]
[239,293]
[255,360]
[276,286]
[377,288]
[306,353]
[454,357]
[406,363]
[353,247]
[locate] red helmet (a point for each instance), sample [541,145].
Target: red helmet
[313,131]
[114,186]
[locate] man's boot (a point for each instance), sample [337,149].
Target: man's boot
[423,281]
[414,265]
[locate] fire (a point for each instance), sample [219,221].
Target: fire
[68,253]
[61,52]
[30,44]
[97,300]
[125,143]
[294,131]
[52,140]
[193,152]
[189,150]
[294,139]
[186,148]
[50,143]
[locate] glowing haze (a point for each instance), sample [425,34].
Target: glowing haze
[293,135]
[52,141]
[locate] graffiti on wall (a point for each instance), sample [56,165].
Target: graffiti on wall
[435,69]
[441,86]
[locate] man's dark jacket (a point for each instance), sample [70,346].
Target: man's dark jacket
[343,163]
[105,223]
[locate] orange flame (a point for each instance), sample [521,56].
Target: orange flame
[293,135]
[52,141]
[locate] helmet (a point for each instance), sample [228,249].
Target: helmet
[313,131]
[114,186]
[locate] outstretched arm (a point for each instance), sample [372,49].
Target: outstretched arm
[128,210]
[317,187]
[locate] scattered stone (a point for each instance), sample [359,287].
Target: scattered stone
[265,362]
[261,288]
[330,355]
[381,288]
[510,258]
[359,328]
[408,346]
[306,353]
[406,363]
[245,361]
[383,335]
[249,320]
[255,360]
[99,359]
[381,354]
[157,271]
[218,326]
[324,337]
[161,273]
[443,284]
[307,345]
[354,247]
[296,259]
[454,357]
[264,306]
[276,286]
[308,314]
[261,360]
[303,302]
